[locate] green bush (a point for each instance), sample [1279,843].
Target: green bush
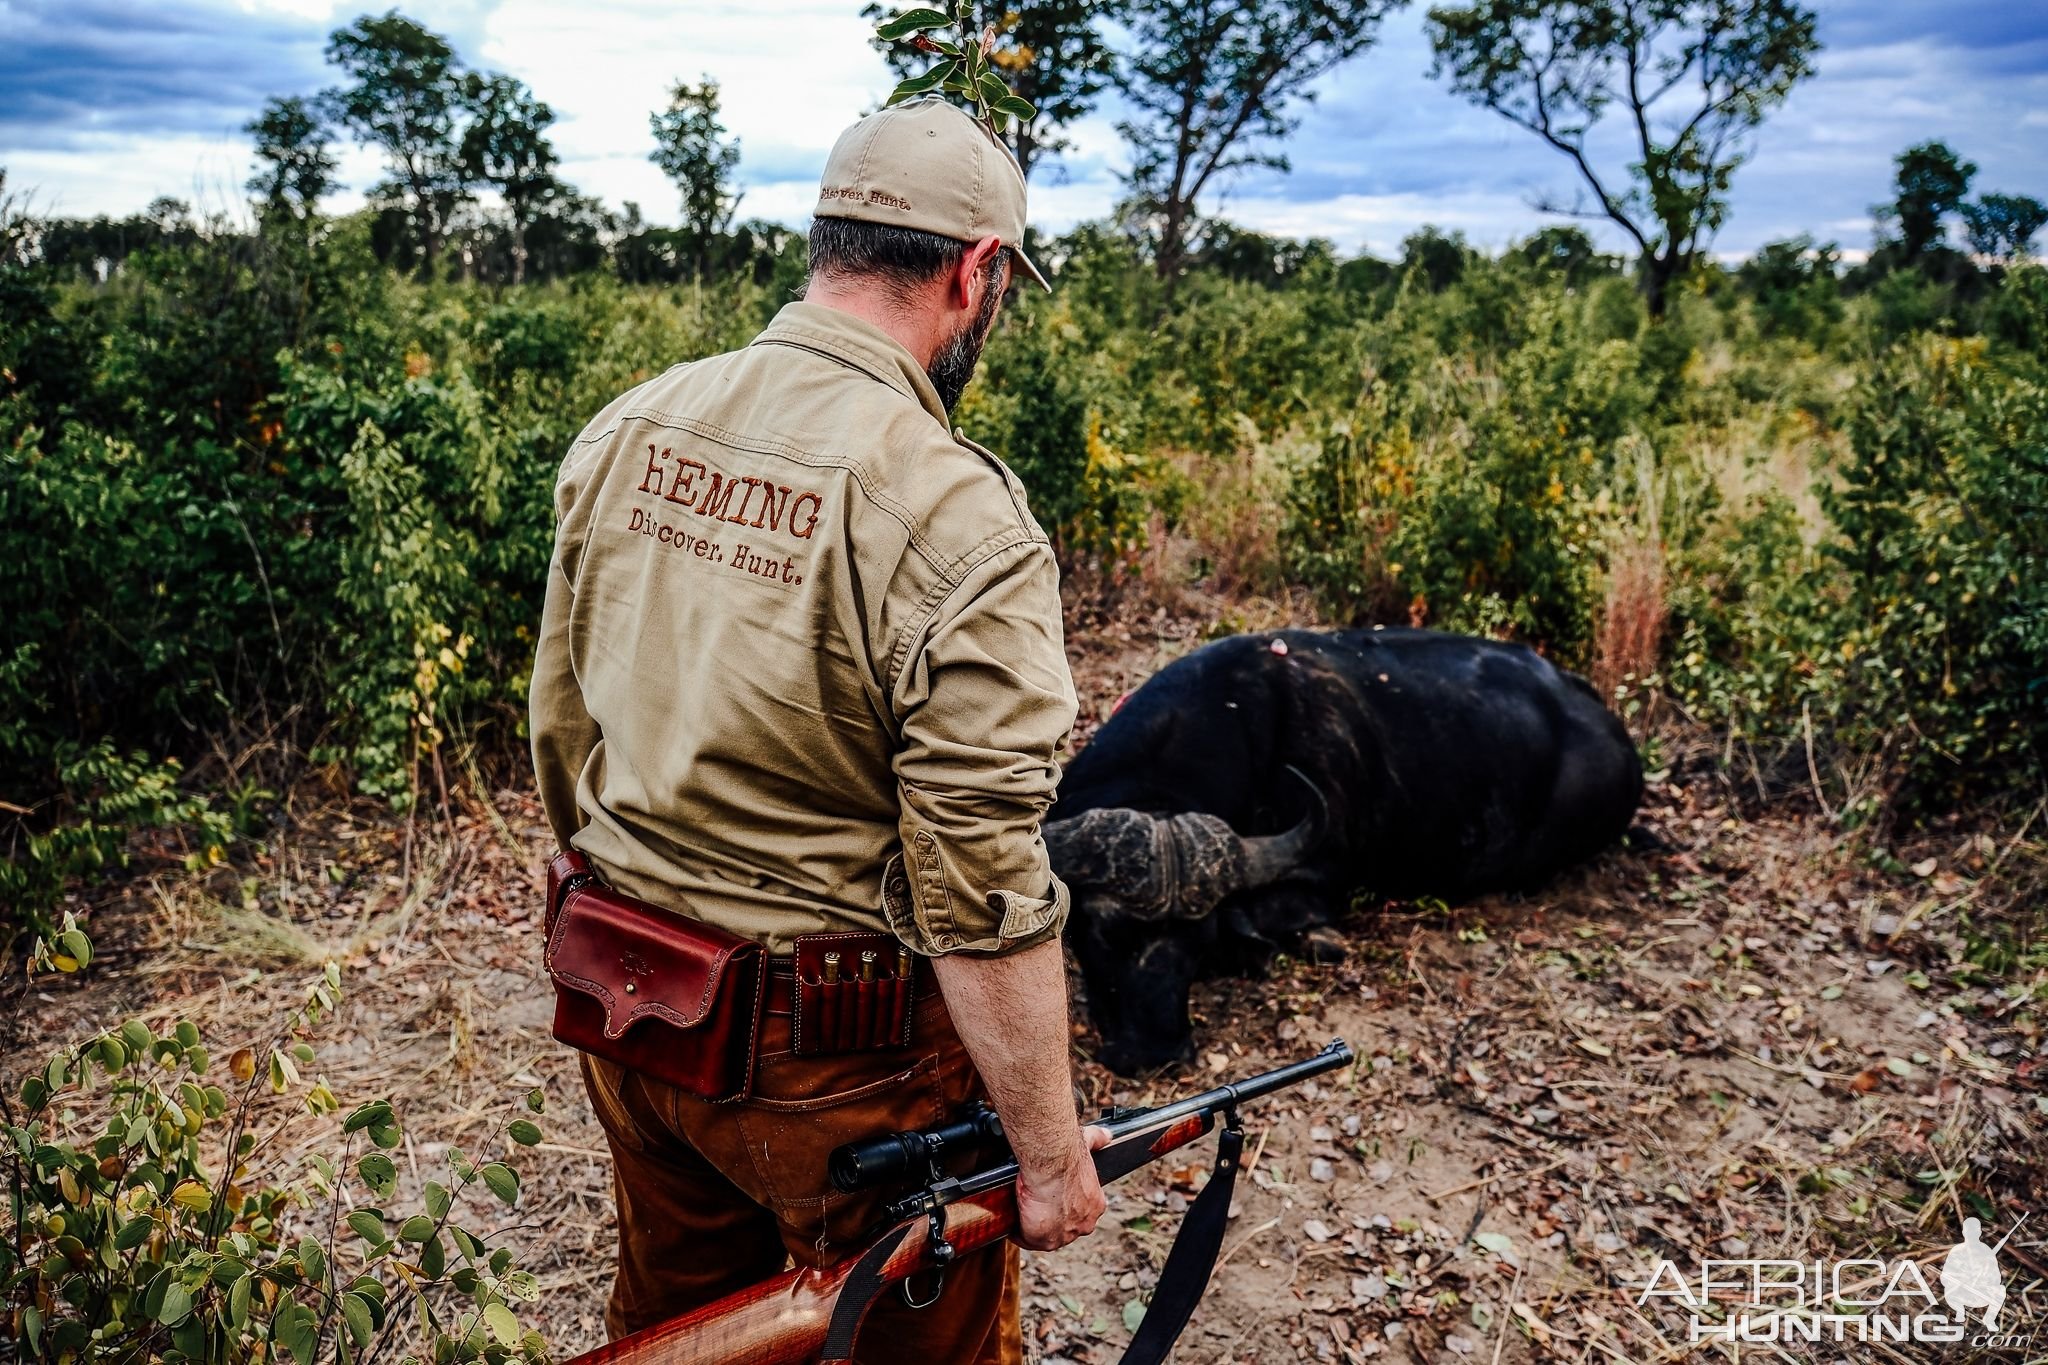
[258,489]
[1941,536]
[152,1218]
[1915,624]
[1469,497]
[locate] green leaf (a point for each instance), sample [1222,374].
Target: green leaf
[238,1300]
[536,1101]
[133,1233]
[918,85]
[363,1115]
[502,1181]
[32,1327]
[176,1306]
[468,1245]
[1016,106]
[386,1135]
[1134,1313]
[34,1092]
[439,1201]
[136,1034]
[312,1261]
[902,26]
[524,1133]
[503,1325]
[417,1228]
[298,1329]
[355,1311]
[379,1173]
[433,1257]
[367,1224]
[989,86]
[76,945]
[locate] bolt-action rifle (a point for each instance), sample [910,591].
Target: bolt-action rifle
[808,1315]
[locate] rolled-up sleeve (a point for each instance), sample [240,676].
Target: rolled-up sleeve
[984,701]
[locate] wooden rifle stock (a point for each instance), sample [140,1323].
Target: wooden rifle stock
[801,1315]
[786,1320]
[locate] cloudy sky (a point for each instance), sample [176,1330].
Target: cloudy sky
[106,104]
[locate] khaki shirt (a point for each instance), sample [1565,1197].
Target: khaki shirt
[794,629]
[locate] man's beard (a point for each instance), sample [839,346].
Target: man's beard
[954,363]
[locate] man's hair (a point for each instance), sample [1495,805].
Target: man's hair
[902,260]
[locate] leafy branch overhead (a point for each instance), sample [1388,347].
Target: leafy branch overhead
[962,68]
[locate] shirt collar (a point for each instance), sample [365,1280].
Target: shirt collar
[858,343]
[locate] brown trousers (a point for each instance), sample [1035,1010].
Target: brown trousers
[716,1197]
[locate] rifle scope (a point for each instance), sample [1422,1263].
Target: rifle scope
[896,1158]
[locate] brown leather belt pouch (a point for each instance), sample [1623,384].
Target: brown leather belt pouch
[854,992]
[649,989]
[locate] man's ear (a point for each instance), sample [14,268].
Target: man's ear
[971,272]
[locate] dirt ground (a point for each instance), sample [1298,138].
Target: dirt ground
[1758,1040]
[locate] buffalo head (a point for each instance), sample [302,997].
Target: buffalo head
[1148,890]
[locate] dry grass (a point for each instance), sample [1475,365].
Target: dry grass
[1629,640]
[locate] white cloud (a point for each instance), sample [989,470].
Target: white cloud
[1385,150]
[789,81]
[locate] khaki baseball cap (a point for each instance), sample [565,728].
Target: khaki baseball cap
[927,164]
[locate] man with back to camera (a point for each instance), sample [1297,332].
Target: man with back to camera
[801,673]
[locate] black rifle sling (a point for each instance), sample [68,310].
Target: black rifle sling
[1186,1273]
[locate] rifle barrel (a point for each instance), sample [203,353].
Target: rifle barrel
[1336,1054]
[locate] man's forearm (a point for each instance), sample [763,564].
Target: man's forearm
[1011,1012]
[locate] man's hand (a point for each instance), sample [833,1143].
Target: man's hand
[1060,1205]
[1011,1012]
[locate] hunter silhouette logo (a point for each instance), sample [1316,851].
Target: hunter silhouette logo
[1969,1274]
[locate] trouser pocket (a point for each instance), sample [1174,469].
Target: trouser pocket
[804,1107]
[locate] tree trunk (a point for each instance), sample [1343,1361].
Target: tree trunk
[1658,273]
[1172,246]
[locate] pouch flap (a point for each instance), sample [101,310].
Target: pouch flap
[564,868]
[639,961]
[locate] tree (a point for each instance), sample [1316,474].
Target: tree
[1564,251]
[1694,77]
[506,147]
[1931,183]
[1209,83]
[688,147]
[404,96]
[1051,52]
[296,151]
[1437,256]
[2002,226]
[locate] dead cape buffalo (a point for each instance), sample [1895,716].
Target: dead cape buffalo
[1246,791]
